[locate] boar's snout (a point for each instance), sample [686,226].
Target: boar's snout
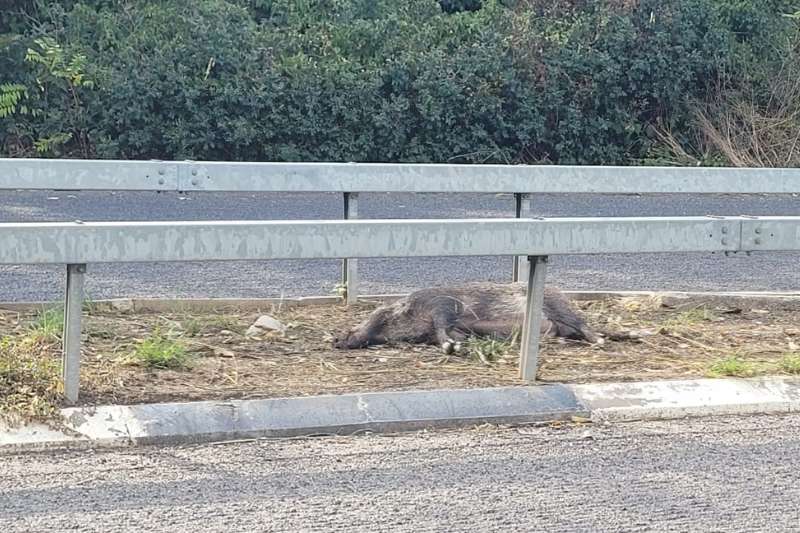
[350,342]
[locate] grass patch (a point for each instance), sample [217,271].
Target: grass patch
[194,326]
[226,322]
[160,351]
[689,318]
[89,306]
[48,325]
[30,381]
[790,363]
[731,366]
[486,349]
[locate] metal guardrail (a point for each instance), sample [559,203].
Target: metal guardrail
[77,244]
[98,242]
[352,178]
[531,240]
[188,176]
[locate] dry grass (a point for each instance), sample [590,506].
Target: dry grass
[742,126]
[30,386]
[686,339]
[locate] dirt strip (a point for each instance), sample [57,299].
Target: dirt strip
[213,358]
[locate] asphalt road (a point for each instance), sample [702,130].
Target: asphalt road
[295,278]
[728,474]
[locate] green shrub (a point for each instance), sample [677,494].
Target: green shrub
[379,80]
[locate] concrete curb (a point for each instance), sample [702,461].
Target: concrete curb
[658,400]
[182,423]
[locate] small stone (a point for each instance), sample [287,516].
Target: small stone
[263,324]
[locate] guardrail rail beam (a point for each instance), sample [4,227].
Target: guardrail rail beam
[112,242]
[82,174]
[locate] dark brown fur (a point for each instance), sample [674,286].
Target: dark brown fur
[447,316]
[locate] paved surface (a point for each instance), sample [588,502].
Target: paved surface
[296,278]
[734,474]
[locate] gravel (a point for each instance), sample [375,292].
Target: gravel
[725,474]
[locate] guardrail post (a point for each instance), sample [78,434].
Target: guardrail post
[523,210]
[71,342]
[531,327]
[350,266]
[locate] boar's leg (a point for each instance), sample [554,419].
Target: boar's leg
[449,339]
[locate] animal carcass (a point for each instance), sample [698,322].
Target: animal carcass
[446,316]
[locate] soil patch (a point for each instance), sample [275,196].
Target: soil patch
[683,339]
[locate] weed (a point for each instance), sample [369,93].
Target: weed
[160,351]
[340,290]
[487,349]
[89,306]
[48,324]
[99,332]
[193,326]
[790,363]
[689,318]
[731,366]
[229,322]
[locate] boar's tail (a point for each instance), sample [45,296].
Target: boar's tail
[574,330]
[565,322]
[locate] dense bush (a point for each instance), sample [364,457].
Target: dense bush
[565,81]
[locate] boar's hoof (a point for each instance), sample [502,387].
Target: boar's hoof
[451,347]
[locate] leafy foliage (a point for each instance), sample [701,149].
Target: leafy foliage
[50,118]
[509,81]
[11,94]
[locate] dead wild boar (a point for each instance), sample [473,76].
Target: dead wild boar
[446,316]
